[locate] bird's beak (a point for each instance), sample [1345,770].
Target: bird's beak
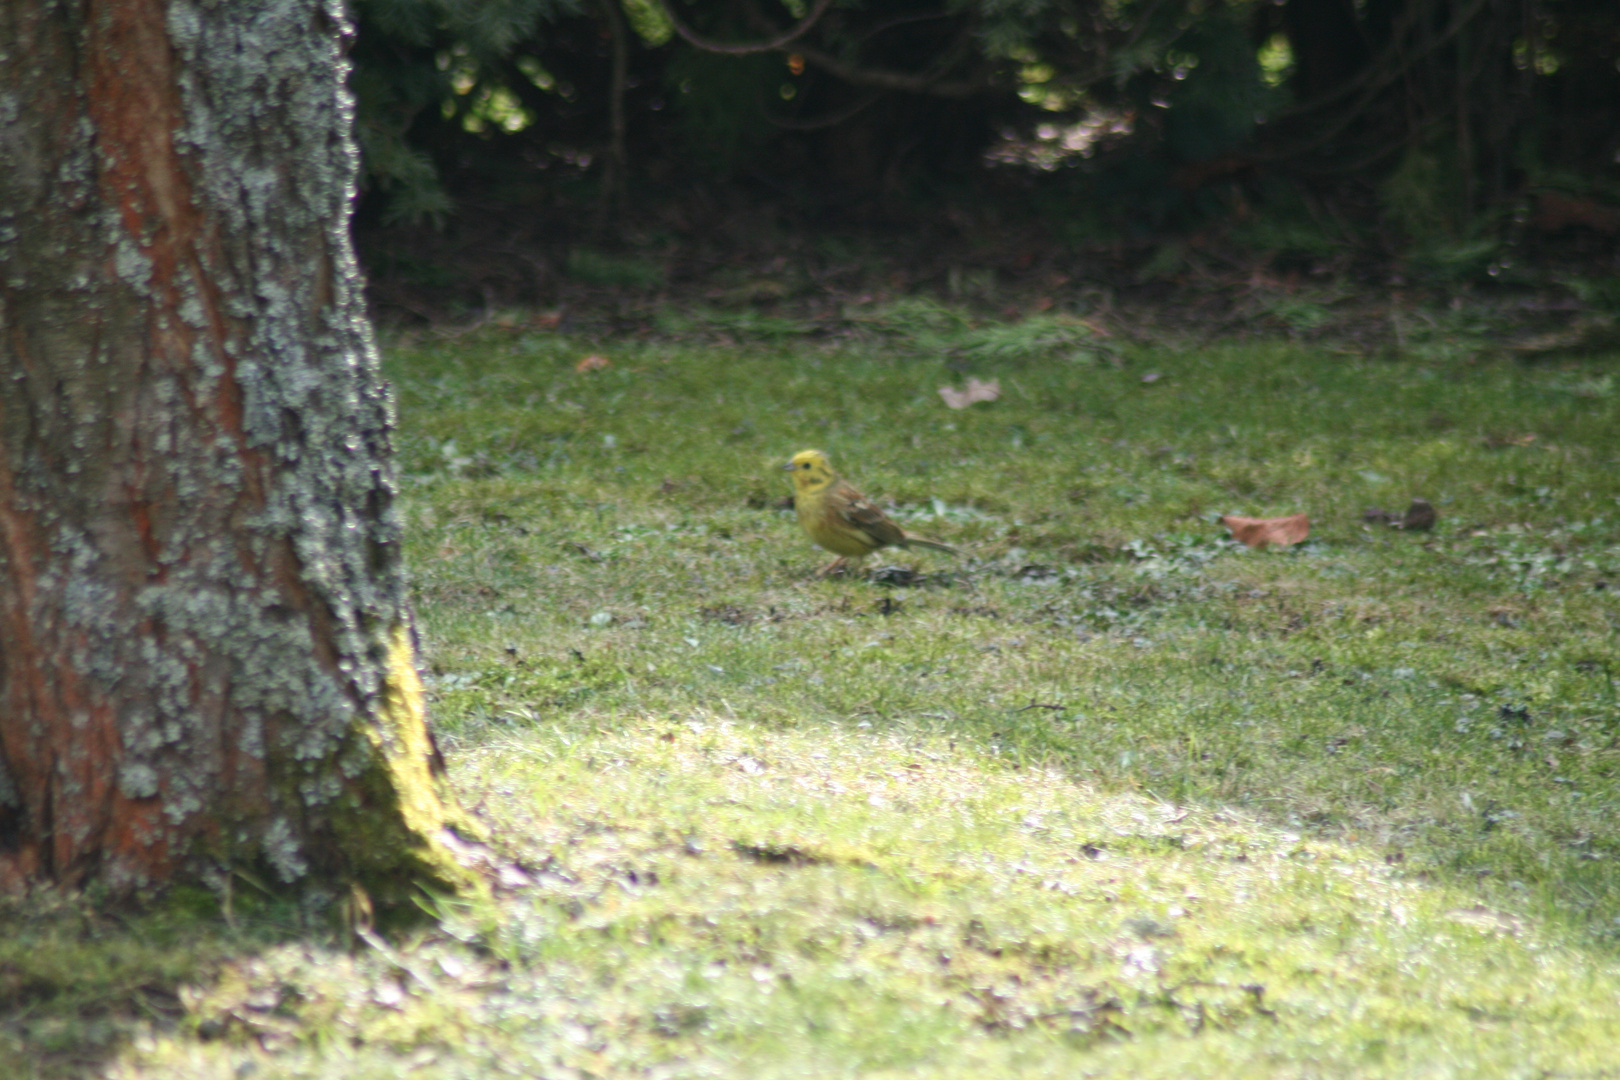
[788,467]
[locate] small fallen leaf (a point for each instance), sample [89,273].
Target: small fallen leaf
[593,362]
[1419,517]
[1259,532]
[894,575]
[974,391]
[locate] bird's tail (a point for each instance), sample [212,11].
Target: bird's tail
[918,541]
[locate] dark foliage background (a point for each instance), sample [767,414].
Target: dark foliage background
[517,146]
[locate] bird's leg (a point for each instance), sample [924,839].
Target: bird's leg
[835,567]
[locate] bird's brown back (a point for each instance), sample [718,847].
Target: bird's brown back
[864,514]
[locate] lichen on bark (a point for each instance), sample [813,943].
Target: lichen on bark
[198,537]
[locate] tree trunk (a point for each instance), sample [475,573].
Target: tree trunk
[205,658]
[615,161]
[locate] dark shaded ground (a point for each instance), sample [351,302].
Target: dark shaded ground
[1550,283]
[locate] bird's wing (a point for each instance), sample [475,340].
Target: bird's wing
[867,516]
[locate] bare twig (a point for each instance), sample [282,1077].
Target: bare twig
[749,48]
[1384,69]
[830,120]
[902,20]
[883,79]
[878,78]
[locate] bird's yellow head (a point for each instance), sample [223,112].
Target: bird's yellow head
[811,471]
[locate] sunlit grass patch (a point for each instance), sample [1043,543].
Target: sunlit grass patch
[710,898]
[621,549]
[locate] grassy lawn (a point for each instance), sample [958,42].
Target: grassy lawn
[1108,794]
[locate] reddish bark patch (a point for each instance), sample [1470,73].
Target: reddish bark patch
[135,107]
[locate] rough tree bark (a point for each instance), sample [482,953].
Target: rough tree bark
[205,657]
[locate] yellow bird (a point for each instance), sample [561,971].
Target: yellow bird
[841,519]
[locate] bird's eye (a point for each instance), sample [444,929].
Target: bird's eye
[806,465]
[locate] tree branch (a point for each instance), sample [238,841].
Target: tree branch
[925,16]
[874,77]
[1385,69]
[831,120]
[884,79]
[691,37]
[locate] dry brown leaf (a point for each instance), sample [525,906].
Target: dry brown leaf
[974,391]
[593,362]
[1259,532]
[1419,517]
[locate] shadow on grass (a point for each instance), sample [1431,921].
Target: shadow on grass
[78,980]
